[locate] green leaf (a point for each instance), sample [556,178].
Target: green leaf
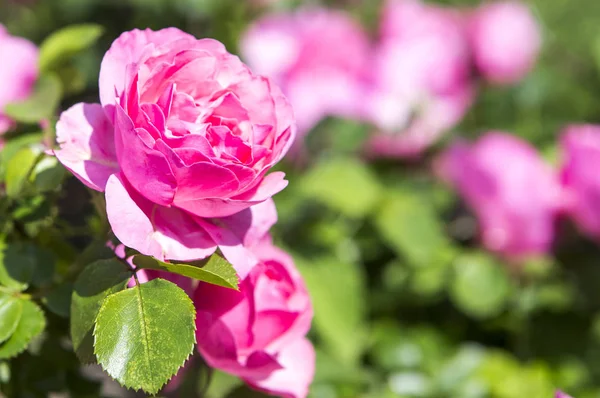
[66,43]
[59,300]
[47,174]
[17,264]
[42,104]
[481,287]
[14,145]
[18,169]
[339,296]
[410,226]
[31,324]
[11,309]
[344,184]
[215,269]
[97,281]
[143,335]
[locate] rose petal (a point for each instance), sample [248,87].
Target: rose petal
[146,169]
[87,147]
[165,233]
[125,50]
[293,380]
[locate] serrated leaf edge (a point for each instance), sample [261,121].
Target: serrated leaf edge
[30,337]
[132,388]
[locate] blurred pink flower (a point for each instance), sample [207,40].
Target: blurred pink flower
[18,72]
[560,394]
[319,57]
[506,40]
[259,332]
[515,195]
[579,174]
[180,145]
[420,75]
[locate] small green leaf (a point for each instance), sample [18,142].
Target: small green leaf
[143,335]
[47,174]
[66,43]
[17,264]
[42,104]
[13,146]
[215,269]
[481,287]
[346,185]
[410,226]
[59,300]
[31,324]
[11,309]
[18,169]
[97,281]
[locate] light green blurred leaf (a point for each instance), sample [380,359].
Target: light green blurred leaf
[40,105]
[215,269]
[67,42]
[408,223]
[11,309]
[144,334]
[480,286]
[344,184]
[96,282]
[48,174]
[339,297]
[13,146]
[31,324]
[18,170]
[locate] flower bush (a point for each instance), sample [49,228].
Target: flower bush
[433,231]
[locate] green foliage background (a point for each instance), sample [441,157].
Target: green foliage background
[406,303]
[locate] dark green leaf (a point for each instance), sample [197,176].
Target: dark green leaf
[346,185]
[31,324]
[11,309]
[17,264]
[96,282]
[143,335]
[215,269]
[18,169]
[66,43]
[47,174]
[481,287]
[59,300]
[42,104]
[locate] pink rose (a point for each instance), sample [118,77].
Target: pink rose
[18,72]
[319,57]
[579,174]
[421,77]
[506,40]
[515,195]
[181,145]
[259,332]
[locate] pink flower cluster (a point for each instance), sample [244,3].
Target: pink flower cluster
[517,197]
[413,84]
[18,72]
[181,144]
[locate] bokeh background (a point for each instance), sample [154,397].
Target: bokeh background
[408,301]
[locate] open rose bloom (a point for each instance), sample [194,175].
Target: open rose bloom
[18,72]
[181,144]
[421,84]
[492,176]
[259,332]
